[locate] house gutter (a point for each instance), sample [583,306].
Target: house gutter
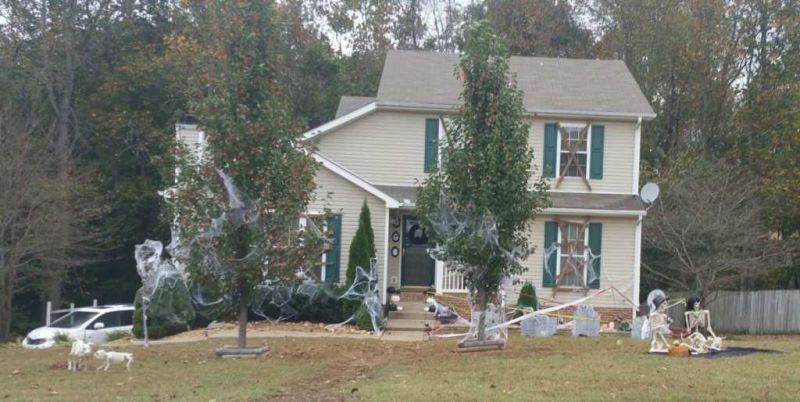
[450,108]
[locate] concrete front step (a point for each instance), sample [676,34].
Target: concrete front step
[410,315]
[409,325]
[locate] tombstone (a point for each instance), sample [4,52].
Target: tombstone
[638,330]
[587,321]
[539,325]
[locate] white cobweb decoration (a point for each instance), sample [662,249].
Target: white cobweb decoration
[477,231]
[164,291]
[574,264]
[272,299]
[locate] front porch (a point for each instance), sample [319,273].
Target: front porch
[409,266]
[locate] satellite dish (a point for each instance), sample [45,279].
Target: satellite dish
[649,193]
[655,298]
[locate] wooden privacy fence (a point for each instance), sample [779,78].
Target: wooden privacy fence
[752,312]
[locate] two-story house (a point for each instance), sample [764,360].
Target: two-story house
[585,118]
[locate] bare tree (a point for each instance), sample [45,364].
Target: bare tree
[32,197]
[706,232]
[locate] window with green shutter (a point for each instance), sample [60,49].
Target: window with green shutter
[595,243]
[550,268]
[598,138]
[333,255]
[431,144]
[550,149]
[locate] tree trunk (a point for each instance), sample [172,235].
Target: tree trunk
[483,299]
[7,276]
[6,300]
[242,323]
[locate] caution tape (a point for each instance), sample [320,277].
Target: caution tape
[545,311]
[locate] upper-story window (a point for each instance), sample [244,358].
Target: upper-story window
[574,154]
[573,150]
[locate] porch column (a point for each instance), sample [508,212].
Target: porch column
[439,278]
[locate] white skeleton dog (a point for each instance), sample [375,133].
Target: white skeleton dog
[113,357]
[77,355]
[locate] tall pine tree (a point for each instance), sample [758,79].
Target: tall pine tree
[362,250]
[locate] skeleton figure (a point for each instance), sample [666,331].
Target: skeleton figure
[697,322]
[113,357]
[659,325]
[77,355]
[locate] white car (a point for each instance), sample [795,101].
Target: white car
[89,324]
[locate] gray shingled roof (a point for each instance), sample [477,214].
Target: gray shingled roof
[350,103]
[611,202]
[548,84]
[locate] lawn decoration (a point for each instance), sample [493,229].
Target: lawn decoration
[539,325]
[366,290]
[444,314]
[113,357]
[77,355]
[658,323]
[587,321]
[638,328]
[698,322]
[165,295]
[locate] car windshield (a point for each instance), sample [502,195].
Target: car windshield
[73,319]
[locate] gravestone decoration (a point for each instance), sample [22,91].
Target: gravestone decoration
[638,330]
[539,325]
[587,321]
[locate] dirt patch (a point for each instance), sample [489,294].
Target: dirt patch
[345,367]
[263,326]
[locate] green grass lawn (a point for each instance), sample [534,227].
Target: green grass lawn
[561,367]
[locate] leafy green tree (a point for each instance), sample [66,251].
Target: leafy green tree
[362,250]
[485,172]
[233,57]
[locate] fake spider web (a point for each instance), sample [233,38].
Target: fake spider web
[273,300]
[574,264]
[165,296]
[476,232]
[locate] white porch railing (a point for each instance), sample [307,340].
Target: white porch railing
[448,280]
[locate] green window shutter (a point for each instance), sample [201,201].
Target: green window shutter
[550,148]
[598,137]
[333,256]
[595,243]
[549,272]
[431,144]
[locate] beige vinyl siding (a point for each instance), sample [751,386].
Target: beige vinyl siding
[616,265]
[389,148]
[190,138]
[343,197]
[617,157]
[383,148]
